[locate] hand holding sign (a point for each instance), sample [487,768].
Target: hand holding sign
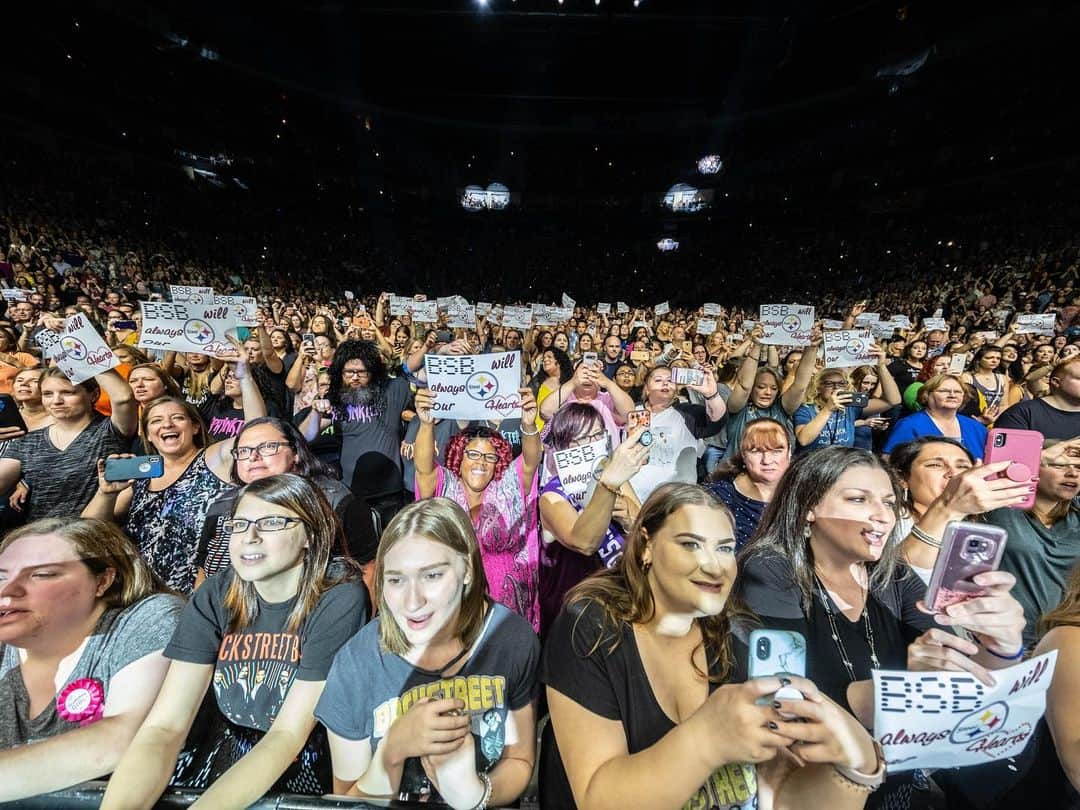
[424,403]
[475,386]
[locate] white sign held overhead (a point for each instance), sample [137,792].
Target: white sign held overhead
[424,311]
[1035,324]
[901,321]
[483,308]
[936,322]
[661,309]
[78,350]
[621,307]
[475,386]
[706,326]
[187,327]
[603,309]
[462,317]
[567,301]
[848,348]
[786,324]
[245,307]
[829,323]
[576,466]
[712,310]
[518,317]
[950,719]
[181,293]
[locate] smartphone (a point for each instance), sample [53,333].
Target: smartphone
[639,355]
[308,339]
[967,549]
[591,358]
[777,652]
[957,363]
[1024,449]
[128,325]
[688,347]
[671,353]
[9,413]
[638,416]
[444,336]
[123,469]
[687,376]
[859,399]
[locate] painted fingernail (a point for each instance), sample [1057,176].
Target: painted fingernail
[776,704]
[773,725]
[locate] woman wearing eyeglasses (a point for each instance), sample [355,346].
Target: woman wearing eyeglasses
[941,398]
[269,446]
[264,634]
[1044,542]
[498,493]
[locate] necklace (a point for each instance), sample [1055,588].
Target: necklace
[835,631]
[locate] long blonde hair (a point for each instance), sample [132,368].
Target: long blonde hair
[442,521]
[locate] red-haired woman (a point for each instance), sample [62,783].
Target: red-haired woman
[497,491]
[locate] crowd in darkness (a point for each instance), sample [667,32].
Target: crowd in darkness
[387,604]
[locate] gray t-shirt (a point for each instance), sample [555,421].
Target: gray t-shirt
[371,443]
[368,688]
[122,636]
[62,482]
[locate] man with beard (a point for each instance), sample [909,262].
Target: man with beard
[366,405]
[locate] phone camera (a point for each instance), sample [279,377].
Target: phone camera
[999,440]
[763,649]
[977,549]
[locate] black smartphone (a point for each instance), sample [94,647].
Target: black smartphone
[444,336]
[859,399]
[124,469]
[9,413]
[129,325]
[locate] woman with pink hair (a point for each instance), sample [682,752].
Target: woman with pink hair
[498,492]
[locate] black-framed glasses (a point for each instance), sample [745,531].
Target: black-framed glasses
[592,437]
[355,372]
[261,450]
[270,523]
[476,455]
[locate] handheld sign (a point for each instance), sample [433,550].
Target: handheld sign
[957,363]
[576,466]
[187,327]
[706,326]
[13,294]
[661,309]
[567,301]
[194,295]
[621,307]
[475,386]
[517,317]
[79,351]
[901,321]
[483,308]
[786,324]
[867,318]
[712,310]
[1035,324]
[603,309]
[950,719]
[849,347]
[934,323]
[463,317]
[245,307]
[829,323]
[424,311]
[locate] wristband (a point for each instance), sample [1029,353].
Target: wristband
[864,781]
[486,797]
[1015,657]
[613,490]
[714,396]
[535,432]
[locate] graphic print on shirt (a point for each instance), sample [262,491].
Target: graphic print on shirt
[484,697]
[732,786]
[253,675]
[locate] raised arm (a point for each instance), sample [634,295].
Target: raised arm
[796,394]
[424,460]
[532,451]
[125,410]
[890,392]
[270,358]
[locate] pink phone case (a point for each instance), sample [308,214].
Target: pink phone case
[967,549]
[1024,449]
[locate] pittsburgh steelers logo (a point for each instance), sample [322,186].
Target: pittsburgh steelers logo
[980,723]
[198,332]
[790,324]
[73,347]
[195,298]
[240,311]
[854,347]
[482,386]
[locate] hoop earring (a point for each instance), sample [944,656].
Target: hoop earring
[806,531]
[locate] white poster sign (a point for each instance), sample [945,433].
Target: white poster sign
[950,719]
[661,309]
[621,307]
[567,301]
[483,308]
[882,330]
[786,324]
[706,326]
[1035,324]
[14,294]
[849,347]
[518,317]
[195,295]
[957,363]
[712,310]
[829,323]
[245,307]
[934,323]
[603,309]
[79,351]
[187,327]
[475,386]
[576,466]
[543,315]
[462,317]
[867,318]
[424,311]
[901,321]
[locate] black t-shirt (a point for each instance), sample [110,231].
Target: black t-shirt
[1037,414]
[614,685]
[767,586]
[255,667]
[223,420]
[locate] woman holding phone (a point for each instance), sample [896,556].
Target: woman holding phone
[643,674]
[447,712]
[262,733]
